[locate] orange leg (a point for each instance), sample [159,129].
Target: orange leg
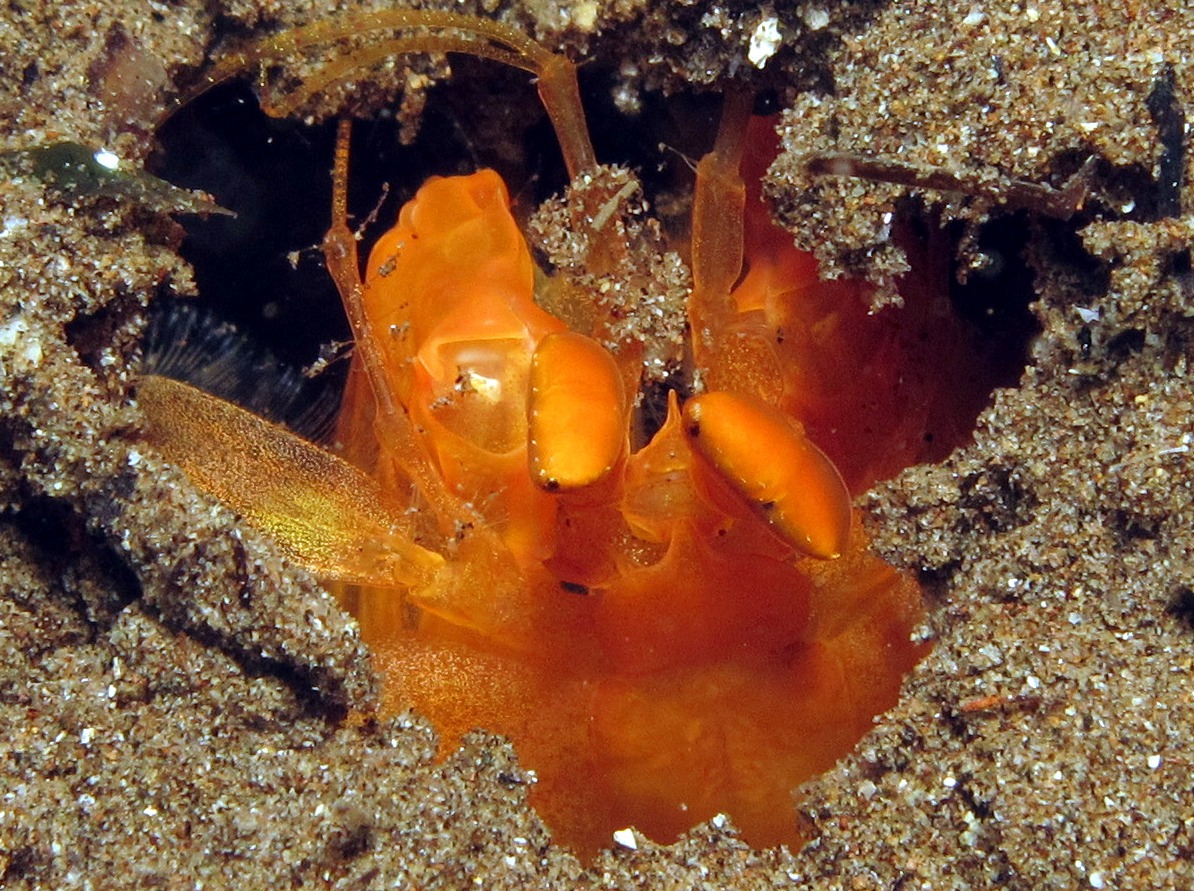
[401,443]
[731,350]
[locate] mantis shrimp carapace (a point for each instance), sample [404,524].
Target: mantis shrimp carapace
[671,622]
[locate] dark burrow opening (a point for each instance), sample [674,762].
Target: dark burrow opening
[261,272]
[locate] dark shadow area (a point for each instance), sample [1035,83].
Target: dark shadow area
[996,299]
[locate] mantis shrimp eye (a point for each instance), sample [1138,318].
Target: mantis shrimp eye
[780,472]
[576,412]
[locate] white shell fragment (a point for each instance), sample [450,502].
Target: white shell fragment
[764,42]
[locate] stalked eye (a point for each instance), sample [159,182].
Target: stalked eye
[576,413]
[780,472]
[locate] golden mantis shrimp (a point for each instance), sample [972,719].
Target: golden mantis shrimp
[667,628]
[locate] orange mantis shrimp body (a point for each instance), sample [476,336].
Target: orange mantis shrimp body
[658,653]
[668,631]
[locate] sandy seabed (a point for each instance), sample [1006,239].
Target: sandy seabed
[172,692]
